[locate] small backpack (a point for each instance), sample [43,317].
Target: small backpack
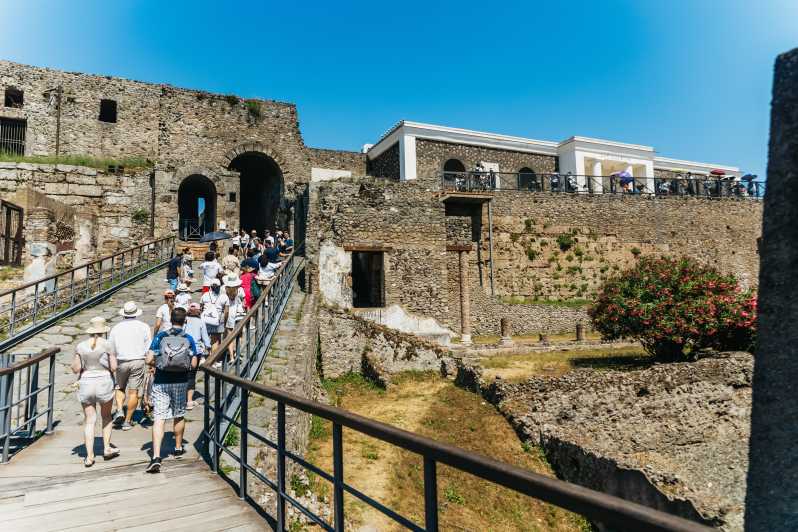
[175,353]
[210,314]
[255,290]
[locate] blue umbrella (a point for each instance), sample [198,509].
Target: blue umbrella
[214,235]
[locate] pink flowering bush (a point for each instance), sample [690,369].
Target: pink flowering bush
[675,307]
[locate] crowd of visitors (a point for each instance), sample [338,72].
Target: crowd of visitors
[133,365]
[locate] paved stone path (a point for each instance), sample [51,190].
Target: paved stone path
[66,334]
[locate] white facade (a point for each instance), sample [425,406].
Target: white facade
[581,156]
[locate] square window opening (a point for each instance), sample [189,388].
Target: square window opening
[108,111]
[14,98]
[231,197]
[12,136]
[368,279]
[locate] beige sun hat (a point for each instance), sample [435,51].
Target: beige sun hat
[130,310]
[232,283]
[97,325]
[183,287]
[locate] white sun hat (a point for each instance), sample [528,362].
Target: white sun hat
[97,325]
[130,310]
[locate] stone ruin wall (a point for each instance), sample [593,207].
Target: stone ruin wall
[385,164]
[432,154]
[350,161]
[405,219]
[607,233]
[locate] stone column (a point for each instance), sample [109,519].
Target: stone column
[507,332]
[772,492]
[597,185]
[465,300]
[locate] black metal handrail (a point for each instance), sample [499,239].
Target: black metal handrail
[19,398]
[227,396]
[31,307]
[681,185]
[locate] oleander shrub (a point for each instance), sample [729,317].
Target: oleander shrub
[675,307]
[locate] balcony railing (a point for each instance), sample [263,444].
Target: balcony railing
[691,185]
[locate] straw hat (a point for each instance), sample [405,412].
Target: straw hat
[263,278]
[182,287]
[130,310]
[97,325]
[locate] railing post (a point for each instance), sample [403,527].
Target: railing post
[32,400]
[242,450]
[13,316]
[338,477]
[206,412]
[6,396]
[217,423]
[281,467]
[35,302]
[50,395]
[430,495]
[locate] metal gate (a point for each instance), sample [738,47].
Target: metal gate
[12,136]
[11,240]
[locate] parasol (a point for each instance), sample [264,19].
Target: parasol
[214,235]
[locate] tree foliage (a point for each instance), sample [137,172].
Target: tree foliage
[675,307]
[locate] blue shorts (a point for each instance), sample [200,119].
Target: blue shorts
[172,283]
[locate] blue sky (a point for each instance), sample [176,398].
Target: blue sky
[692,78]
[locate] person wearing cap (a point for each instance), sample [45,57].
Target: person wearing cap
[163,315]
[197,329]
[218,299]
[183,297]
[95,361]
[130,339]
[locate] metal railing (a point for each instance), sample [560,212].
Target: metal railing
[690,185]
[31,307]
[227,397]
[20,390]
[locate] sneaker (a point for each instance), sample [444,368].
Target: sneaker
[179,452]
[127,425]
[217,365]
[119,418]
[155,466]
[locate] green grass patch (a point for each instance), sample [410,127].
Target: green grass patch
[100,163]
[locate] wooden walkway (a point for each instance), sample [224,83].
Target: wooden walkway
[46,488]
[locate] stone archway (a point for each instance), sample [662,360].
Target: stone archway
[262,202]
[196,206]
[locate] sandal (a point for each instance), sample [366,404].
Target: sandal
[87,462]
[113,454]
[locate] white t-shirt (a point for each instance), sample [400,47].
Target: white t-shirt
[165,313]
[131,339]
[236,311]
[221,300]
[210,269]
[182,299]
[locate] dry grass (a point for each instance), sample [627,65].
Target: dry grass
[528,339]
[428,405]
[516,367]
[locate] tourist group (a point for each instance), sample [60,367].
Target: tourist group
[132,365]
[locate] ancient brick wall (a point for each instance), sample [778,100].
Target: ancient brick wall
[107,201]
[385,164]
[351,161]
[405,220]
[556,246]
[432,154]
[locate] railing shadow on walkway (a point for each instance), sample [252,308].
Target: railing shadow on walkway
[227,394]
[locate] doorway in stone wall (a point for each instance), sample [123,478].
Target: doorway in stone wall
[368,279]
[196,206]
[261,193]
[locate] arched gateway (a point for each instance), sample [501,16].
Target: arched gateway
[261,194]
[196,206]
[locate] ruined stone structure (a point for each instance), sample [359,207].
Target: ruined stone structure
[379,228]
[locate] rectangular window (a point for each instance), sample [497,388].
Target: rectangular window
[108,111]
[231,197]
[12,136]
[368,279]
[14,98]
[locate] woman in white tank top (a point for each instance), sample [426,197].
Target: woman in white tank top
[95,361]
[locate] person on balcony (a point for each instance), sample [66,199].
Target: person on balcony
[95,362]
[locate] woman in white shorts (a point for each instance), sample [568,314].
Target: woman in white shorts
[95,361]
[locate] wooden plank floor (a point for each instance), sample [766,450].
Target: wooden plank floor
[46,488]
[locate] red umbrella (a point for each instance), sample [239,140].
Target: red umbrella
[717,171]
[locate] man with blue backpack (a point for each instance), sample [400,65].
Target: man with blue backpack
[173,354]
